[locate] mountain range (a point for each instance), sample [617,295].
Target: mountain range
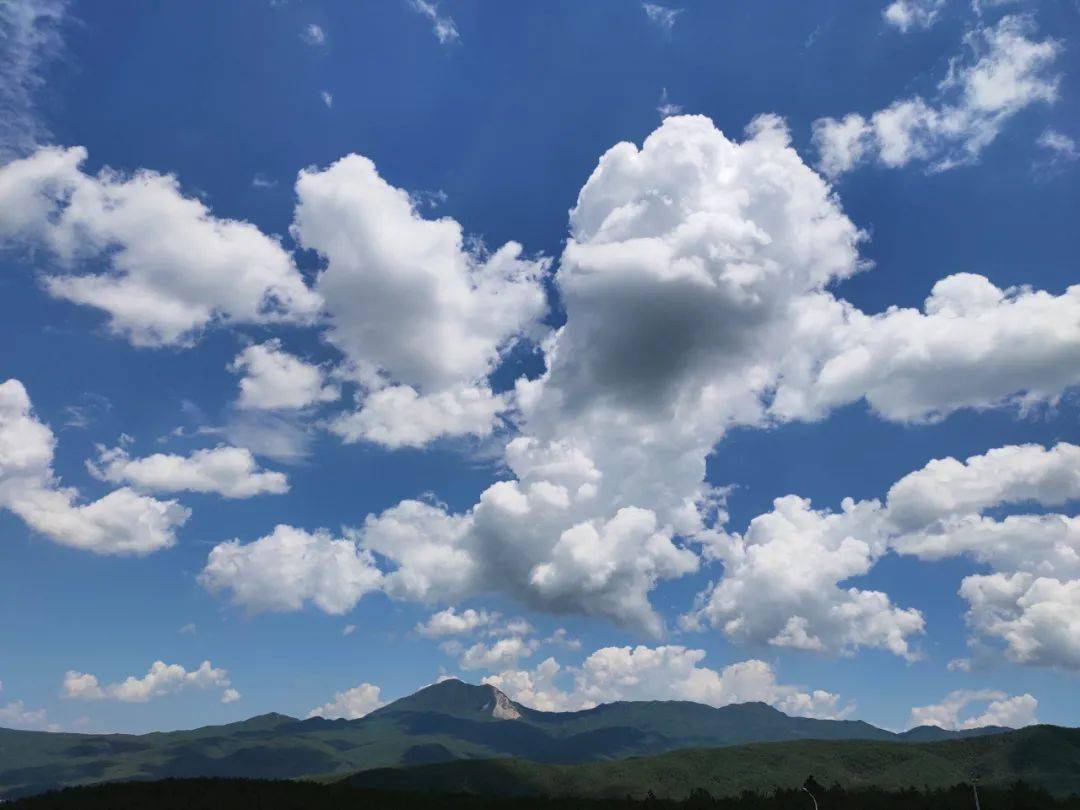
[435,727]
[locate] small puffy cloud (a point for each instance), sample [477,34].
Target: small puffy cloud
[289,567]
[501,654]
[231,472]
[230,695]
[122,522]
[276,380]
[908,15]
[661,16]
[442,25]
[352,704]
[313,34]
[188,629]
[327,98]
[348,630]
[15,714]
[450,622]
[662,673]
[172,267]
[160,680]
[398,416]
[1008,71]
[1001,710]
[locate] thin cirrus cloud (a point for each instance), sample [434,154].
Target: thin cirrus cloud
[31,41]
[442,25]
[1008,70]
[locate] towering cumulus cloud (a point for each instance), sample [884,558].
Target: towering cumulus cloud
[685,258]
[122,522]
[696,285]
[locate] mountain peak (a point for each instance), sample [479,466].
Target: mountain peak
[454,697]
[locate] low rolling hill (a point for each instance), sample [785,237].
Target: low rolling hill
[444,722]
[1047,756]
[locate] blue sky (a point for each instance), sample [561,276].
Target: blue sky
[709,329]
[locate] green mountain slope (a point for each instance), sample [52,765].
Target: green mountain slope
[450,720]
[1042,755]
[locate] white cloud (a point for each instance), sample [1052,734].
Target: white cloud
[15,714]
[501,654]
[348,630]
[1011,474]
[781,582]
[1007,72]
[449,622]
[1012,712]
[1058,144]
[352,704]
[665,107]
[695,289]
[189,629]
[327,98]
[661,673]
[313,34]
[398,416]
[661,16]
[30,38]
[173,267]
[973,346]
[442,25]
[230,695]
[1037,618]
[228,471]
[121,522]
[276,380]
[160,680]
[907,15]
[288,567]
[412,302]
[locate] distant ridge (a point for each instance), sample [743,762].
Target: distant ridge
[449,720]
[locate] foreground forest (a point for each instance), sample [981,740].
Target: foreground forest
[219,794]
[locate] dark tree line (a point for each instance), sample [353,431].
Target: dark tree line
[251,794]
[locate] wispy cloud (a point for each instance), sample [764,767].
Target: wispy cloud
[313,34]
[327,98]
[666,107]
[442,25]
[260,180]
[662,16]
[29,39]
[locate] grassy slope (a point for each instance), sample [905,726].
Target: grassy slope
[1043,755]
